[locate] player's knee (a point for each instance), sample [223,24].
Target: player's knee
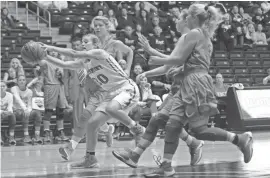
[112,107]
[173,129]
[48,114]
[86,115]
[59,113]
[156,122]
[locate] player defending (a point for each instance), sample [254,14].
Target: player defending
[119,93]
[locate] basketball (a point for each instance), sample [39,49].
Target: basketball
[32,52]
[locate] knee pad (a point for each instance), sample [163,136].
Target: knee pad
[59,114]
[48,114]
[173,129]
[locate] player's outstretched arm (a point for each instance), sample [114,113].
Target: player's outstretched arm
[73,65]
[190,42]
[147,47]
[94,53]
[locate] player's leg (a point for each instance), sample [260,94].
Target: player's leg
[11,118]
[25,122]
[36,116]
[131,157]
[61,105]
[80,130]
[90,160]
[121,104]
[50,102]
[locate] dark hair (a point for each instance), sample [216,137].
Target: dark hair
[76,38]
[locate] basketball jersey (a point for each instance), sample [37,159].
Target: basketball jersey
[109,47]
[107,73]
[201,55]
[49,73]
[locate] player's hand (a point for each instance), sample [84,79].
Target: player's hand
[142,104]
[46,47]
[144,43]
[167,87]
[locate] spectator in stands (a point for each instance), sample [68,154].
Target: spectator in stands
[173,20]
[11,81]
[7,112]
[249,32]
[219,87]
[123,64]
[125,20]
[23,108]
[100,5]
[158,41]
[259,18]
[60,4]
[144,20]
[9,76]
[155,23]
[225,34]
[246,18]
[267,79]
[144,106]
[236,17]
[259,36]
[112,19]
[129,38]
[7,21]
[265,5]
[100,12]
[147,6]
[138,69]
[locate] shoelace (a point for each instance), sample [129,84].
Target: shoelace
[157,159]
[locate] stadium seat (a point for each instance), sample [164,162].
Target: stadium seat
[257,71]
[245,80]
[264,55]
[8,40]
[236,54]
[225,70]
[258,79]
[251,54]
[252,62]
[17,32]
[26,39]
[212,71]
[220,54]
[266,63]
[222,63]
[241,71]
[33,33]
[239,62]
[46,39]
[13,54]
[229,79]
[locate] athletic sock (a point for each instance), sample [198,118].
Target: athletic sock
[235,140]
[91,153]
[73,144]
[185,137]
[231,137]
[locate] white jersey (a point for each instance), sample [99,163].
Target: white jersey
[107,73]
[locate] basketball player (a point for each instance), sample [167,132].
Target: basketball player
[119,94]
[195,100]
[81,92]
[115,48]
[54,98]
[160,119]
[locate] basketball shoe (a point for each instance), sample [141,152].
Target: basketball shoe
[109,136]
[245,144]
[66,151]
[90,161]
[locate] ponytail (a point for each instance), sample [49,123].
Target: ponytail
[213,18]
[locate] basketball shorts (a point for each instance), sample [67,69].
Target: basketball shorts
[127,96]
[54,96]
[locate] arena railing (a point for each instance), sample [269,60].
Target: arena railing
[37,13]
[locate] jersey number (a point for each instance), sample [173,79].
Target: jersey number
[102,79]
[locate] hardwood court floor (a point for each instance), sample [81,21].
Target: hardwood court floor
[220,159]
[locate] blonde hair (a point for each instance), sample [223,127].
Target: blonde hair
[93,38]
[19,70]
[184,14]
[105,20]
[208,16]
